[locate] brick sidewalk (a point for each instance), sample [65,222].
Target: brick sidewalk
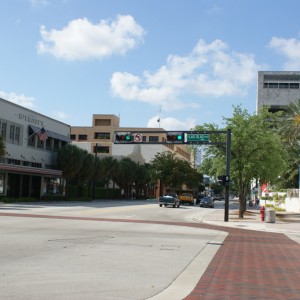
[251,265]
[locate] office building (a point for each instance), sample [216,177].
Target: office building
[277,89]
[32,140]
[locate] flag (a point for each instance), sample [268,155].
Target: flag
[43,135]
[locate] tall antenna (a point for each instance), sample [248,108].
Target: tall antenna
[158,119]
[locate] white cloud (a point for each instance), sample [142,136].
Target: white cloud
[18,99]
[209,70]
[171,123]
[81,39]
[59,115]
[39,2]
[290,48]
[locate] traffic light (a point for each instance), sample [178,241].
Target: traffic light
[174,137]
[123,137]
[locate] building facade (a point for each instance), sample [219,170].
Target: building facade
[29,165]
[99,139]
[277,89]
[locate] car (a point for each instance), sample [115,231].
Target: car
[207,202]
[199,197]
[186,198]
[169,199]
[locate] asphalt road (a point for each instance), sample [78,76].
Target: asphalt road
[101,250]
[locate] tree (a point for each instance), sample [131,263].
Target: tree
[289,130]
[172,171]
[126,175]
[110,169]
[70,160]
[256,150]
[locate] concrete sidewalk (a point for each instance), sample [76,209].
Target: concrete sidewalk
[287,223]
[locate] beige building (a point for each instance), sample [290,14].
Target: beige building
[99,138]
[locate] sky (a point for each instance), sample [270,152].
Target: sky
[182,62]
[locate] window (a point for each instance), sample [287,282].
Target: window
[73,137]
[12,132]
[82,137]
[273,85]
[3,130]
[40,144]
[55,145]
[17,134]
[144,139]
[102,135]
[101,149]
[283,85]
[153,138]
[48,143]
[294,85]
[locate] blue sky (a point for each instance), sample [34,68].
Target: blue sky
[187,62]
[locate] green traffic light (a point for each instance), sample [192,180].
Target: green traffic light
[128,137]
[179,137]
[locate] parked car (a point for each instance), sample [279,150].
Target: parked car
[169,199]
[186,198]
[207,202]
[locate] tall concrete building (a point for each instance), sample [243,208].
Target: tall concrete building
[277,89]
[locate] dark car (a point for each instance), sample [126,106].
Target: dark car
[169,199]
[199,197]
[207,202]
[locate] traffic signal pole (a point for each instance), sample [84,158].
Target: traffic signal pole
[227,182]
[183,137]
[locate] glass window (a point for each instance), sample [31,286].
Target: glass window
[101,149]
[273,85]
[153,138]
[3,130]
[73,137]
[48,143]
[82,137]
[294,85]
[102,135]
[17,134]
[12,132]
[283,85]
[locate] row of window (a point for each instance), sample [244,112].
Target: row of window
[11,132]
[281,85]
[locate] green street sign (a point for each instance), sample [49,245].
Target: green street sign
[197,137]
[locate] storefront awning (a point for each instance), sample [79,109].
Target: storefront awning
[52,134]
[30,170]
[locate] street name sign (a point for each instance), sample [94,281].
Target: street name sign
[196,137]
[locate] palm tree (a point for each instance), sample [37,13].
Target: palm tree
[290,131]
[70,159]
[110,169]
[290,128]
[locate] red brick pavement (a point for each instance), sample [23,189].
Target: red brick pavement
[249,265]
[252,265]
